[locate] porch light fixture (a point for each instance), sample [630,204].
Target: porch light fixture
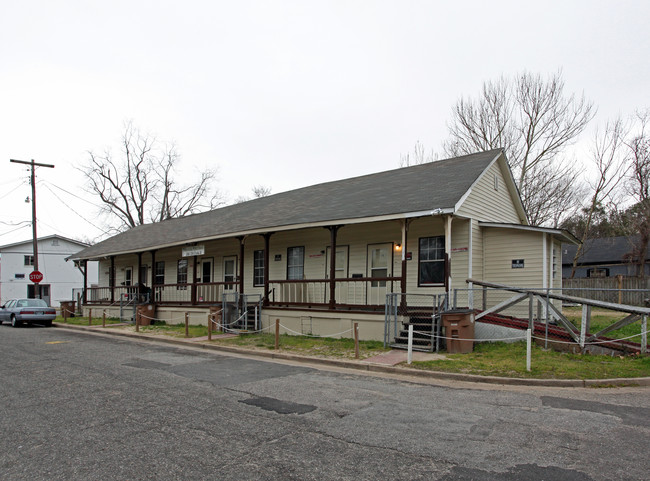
[398,247]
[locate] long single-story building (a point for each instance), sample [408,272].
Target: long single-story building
[323,257]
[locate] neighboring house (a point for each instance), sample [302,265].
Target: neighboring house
[325,256]
[60,277]
[604,257]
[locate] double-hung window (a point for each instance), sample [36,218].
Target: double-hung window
[295,263]
[181,274]
[431,261]
[159,274]
[258,268]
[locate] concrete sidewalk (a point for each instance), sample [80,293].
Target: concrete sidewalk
[396,356]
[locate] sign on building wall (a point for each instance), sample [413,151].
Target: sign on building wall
[517,263]
[193,251]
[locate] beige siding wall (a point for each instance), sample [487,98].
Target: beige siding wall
[502,246]
[490,204]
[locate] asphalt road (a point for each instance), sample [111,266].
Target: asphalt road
[78,406]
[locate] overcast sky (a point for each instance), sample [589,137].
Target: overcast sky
[279,93]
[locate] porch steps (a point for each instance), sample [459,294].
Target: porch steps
[422,331]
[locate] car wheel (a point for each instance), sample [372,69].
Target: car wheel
[15,322]
[47,323]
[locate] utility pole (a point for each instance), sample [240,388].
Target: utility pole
[37,287]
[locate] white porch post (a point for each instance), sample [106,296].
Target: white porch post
[544,262]
[470,285]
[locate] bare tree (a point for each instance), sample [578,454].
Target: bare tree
[261,191]
[609,160]
[258,192]
[638,186]
[533,121]
[140,186]
[418,156]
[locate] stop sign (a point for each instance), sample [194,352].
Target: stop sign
[36,276]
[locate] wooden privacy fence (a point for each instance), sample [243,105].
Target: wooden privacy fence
[620,289]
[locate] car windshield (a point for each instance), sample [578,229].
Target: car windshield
[31,303]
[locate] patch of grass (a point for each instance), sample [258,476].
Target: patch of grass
[601,318]
[176,330]
[83,321]
[314,346]
[509,360]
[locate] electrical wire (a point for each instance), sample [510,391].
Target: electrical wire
[78,214]
[13,190]
[14,230]
[70,193]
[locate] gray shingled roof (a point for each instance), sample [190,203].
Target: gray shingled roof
[605,250]
[425,187]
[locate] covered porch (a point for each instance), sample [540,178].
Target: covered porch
[350,267]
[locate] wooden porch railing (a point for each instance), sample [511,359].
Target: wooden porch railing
[169,294]
[349,292]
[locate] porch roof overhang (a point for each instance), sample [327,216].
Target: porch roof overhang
[560,234]
[428,189]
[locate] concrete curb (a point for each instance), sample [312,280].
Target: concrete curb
[371,367]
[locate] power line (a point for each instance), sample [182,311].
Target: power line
[13,190]
[78,214]
[14,230]
[70,193]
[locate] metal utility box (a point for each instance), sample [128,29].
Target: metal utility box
[459,331]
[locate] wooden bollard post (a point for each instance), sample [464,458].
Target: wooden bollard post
[277,334]
[187,324]
[65,314]
[90,317]
[210,320]
[104,319]
[137,321]
[356,340]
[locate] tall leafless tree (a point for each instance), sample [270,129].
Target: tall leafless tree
[534,121]
[418,156]
[258,192]
[608,157]
[638,186]
[141,186]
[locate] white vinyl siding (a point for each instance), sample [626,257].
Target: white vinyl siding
[484,203]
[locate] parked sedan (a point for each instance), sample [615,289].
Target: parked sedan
[31,311]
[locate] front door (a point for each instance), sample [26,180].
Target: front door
[206,270]
[229,272]
[380,260]
[340,272]
[341,268]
